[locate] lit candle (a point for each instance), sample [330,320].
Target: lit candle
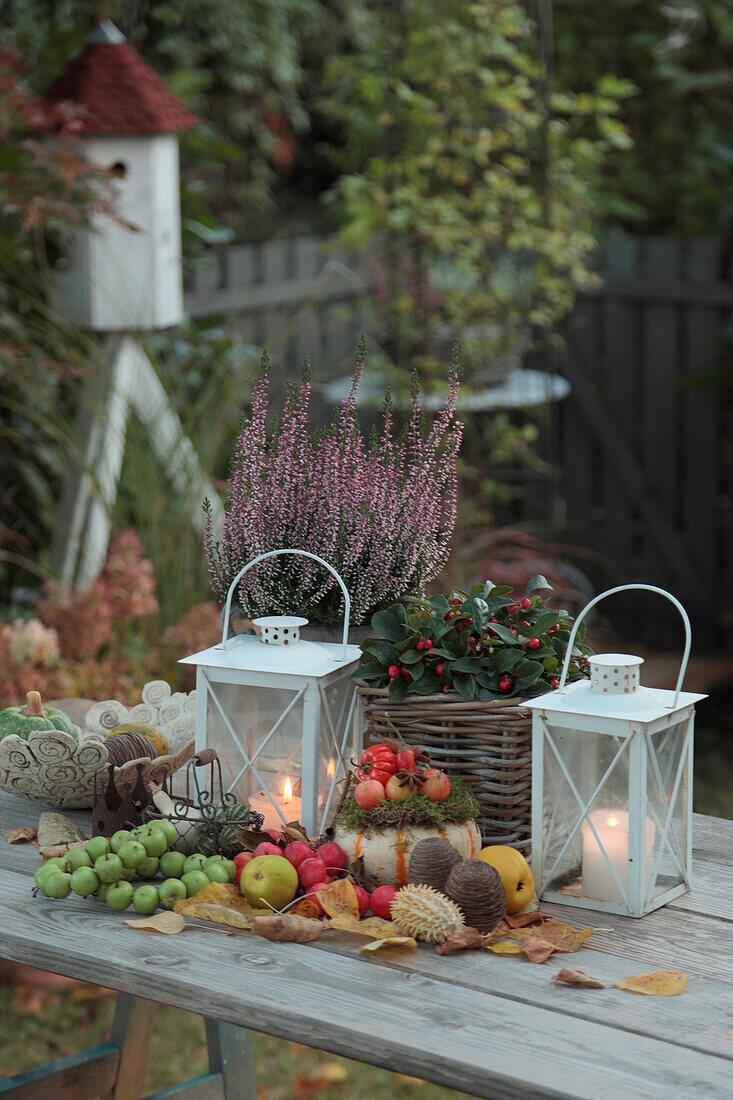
[612,827]
[290,806]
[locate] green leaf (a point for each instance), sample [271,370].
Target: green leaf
[486,694]
[478,609]
[537,582]
[408,642]
[506,660]
[465,686]
[398,689]
[500,590]
[505,635]
[385,653]
[427,685]
[416,671]
[495,603]
[550,664]
[478,590]
[467,664]
[545,620]
[439,603]
[411,657]
[388,626]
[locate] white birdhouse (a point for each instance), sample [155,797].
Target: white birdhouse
[280,712]
[124,273]
[612,785]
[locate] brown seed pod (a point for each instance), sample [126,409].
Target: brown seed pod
[431,862]
[129,746]
[477,890]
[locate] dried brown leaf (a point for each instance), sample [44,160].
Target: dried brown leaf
[537,949]
[57,829]
[577,977]
[521,920]
[306,907]
[21,835]
[48,851]
[219,914]
[464,938]
[658,983]
[390,941]
[166,923]
[322,1077]
[286,928]
[219,893]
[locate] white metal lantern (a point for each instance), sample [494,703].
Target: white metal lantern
[280,712]
[612,784]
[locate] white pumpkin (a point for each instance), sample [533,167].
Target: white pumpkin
[386,854]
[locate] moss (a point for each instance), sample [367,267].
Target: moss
[417,810]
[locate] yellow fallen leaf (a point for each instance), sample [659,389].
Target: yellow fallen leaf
[166,923]
[224,895]
[659,983]
[503,947]
[390,941]
[375,927]
[219,914]
[564,937]
[339,899]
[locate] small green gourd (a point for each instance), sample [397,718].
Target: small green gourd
[32,717]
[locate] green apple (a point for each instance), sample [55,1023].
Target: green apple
[132,853]
[128,873]
[231,869]
[153,840]
[109,868]
[167,828]
[194,863]
[84,881]
[97,847]
[171,864]
[216,872]
[194,881]
[56,884]
[77,857]
[145,900]
[43,872]
[55,861]
[170,891]
[101,892]
[269,882]
[119,838]
[119,895]
[148,868]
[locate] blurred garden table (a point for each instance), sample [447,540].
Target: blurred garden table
[491,1026]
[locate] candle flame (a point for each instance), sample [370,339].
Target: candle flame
[331,769]
[613,821]
[288,789]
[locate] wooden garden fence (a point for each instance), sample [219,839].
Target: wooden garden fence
[641,451]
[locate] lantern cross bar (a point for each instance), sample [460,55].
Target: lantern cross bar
[227,723]
[584,816]
[340,752]
[261,746]
[670,810]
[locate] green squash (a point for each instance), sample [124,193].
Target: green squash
[33,716]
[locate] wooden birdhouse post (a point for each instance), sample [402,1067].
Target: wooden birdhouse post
[121,276]
[125,273]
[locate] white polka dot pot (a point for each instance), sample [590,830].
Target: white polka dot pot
[280,629]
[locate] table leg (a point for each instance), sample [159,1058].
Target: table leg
[231,1054]
[131,1031]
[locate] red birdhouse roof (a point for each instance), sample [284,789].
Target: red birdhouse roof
[115,92]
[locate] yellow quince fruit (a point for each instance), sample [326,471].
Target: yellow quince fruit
[515,874]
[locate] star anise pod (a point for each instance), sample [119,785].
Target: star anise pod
[413,781]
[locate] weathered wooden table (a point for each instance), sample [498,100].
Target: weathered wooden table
[491,1026]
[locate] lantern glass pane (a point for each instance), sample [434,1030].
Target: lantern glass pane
[274,753]
[667,810]
[335,741]
[583,769]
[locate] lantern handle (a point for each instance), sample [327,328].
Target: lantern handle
[276,554]
[629,588]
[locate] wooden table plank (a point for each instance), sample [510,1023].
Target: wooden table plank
[463,1038]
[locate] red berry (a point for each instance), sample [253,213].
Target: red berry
[513,607]
[439,668]
[505,684]
[525,623]
[554,683]
[469,622]
[381,901]
[456,602]
[427,644]
[534,643]
[513,631]
[394,671]
[419,644]
[493,619]
[526,604]
[405,674]
[446,690]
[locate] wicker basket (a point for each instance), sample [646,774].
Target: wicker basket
[488,744]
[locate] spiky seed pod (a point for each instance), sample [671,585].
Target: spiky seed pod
[124,747]
[425,913]
[477,890]
[431,862]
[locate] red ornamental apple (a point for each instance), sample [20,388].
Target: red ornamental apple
[436,786]
[312,870]
[297,852]
[267,849]
[406,759]
[241,858]
[395,791]
[274,835]
[362,896]
[313,894]
[332,855]
[369,793]
[381,901]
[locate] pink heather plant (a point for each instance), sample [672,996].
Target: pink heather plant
[381,512]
